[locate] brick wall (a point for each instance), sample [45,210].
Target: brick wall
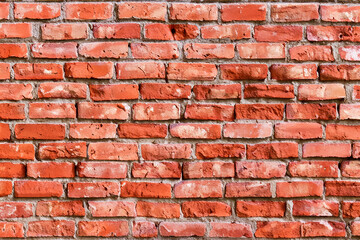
[161,119]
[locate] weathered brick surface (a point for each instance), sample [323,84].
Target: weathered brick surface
[179,119]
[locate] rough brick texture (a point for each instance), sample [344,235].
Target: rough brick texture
[188,119]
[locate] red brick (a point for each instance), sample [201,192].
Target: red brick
[198,189]
[154,50]
[349,111]
[158,210]
[350,209]
[315,208]
[142,130]
[15,30]
[159,31]
[92,130]
[299,189]
[165,151]
[355,93]
[87,70]
[11,229]
[231,31]
[113,92]
[113,151]
[228,91]
[50,170]
[231,230]
[243,12]
[208,51]
[191,71]
[54,50]
[155,111]
[342,132]
[117,31]
[5,133]
[4,10]
[51,228]
[6,188]
[12,111]
[247,189]
[350,169]
[4,71]
[142,10]
[218,150]
[311,53]
[112,209]
[287,72]
[349,53]
[208,169]
[215,112]
[64,31]
[17,151]
[247,209]
[265,170]
[17,50]
[104,49]
[268,91]
[339,72]
[195,131]
[182,229]
[276,150]
[298,130]
[247,130]
[62,90]
[38,71]
[260,111]
[16,210]
[52,110]
[313,169]
[143,229]
[165,91]
[274,229]
[319,111]
[15,91]
[12,170]
[145,190]
[318,33]
[103,228]
[294,12]
[194,209]
[243,71]
[322,149]
[88,11]
[60,208]
[37,189]
[356,150]
[273,33]
[339,13]
[193,12]
[40,131]
[102,170]
[62,150]
[92,189]
[261,50]
[309,92]
[156,170]
[36,10]
[355,228]
[140,70]
[89,110]
[323,229]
